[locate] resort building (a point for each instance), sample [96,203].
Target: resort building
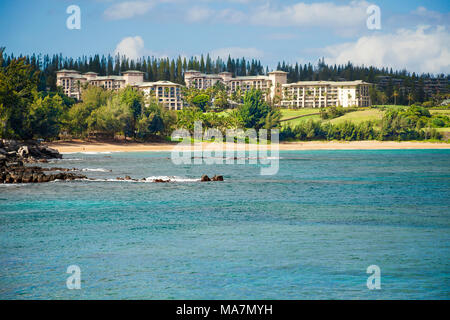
[303,94]
[70,81]
[270,84]
[168,93]
[319,94]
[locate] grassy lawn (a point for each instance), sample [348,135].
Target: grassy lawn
[441,112]
[443,129]
[360,116]
[390,106]
[295,122]
[291,113]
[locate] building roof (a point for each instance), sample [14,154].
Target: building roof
[67,71]
[132,71]
[205,75]
[251,78]
[116,78]
[279,72]
[78,76]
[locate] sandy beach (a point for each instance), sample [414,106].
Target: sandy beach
[83,146]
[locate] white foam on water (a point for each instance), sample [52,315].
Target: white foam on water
[96,152]
[148,179]
[67,159]
[95,170]
[171,178]
[88,152]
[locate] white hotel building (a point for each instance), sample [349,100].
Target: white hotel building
[303,94]
[270,84]
[318,94]
[166,92]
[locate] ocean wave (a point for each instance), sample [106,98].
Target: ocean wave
[88,152]
[171,178]
[95,152]
[151,179]
[95,170]
[65,159]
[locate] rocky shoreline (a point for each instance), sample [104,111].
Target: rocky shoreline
[14,155]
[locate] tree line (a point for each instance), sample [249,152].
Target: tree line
[412,123]
[26,112]
[155,69]
[411,91]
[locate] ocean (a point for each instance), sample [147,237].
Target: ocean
[308,232]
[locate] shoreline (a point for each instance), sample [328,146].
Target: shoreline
[84,147]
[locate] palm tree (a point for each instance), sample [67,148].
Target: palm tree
[268,94]
[383,97]
[410,97]
[395,95]
[272,119]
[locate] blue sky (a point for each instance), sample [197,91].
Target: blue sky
[413,35]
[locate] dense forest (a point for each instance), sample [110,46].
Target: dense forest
[32,107]
[411,90]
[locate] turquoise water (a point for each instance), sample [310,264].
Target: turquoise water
[309,232]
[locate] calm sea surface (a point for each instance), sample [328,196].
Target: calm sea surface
[309,232]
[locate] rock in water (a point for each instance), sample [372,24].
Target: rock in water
[217,178]
[161,181]
[205,178]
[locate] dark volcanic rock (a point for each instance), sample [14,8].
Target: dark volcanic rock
[13,154]
[217,178]
[161,181]
[205,178]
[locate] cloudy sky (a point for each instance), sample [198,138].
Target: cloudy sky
[414,34]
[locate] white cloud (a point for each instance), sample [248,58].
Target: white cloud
[236,52]
[423,49]
[346,20]
[198,14]
[129,9]
[312,14]
[230,16]
[132,47]
[424,12]
[419,16]
[201,14]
